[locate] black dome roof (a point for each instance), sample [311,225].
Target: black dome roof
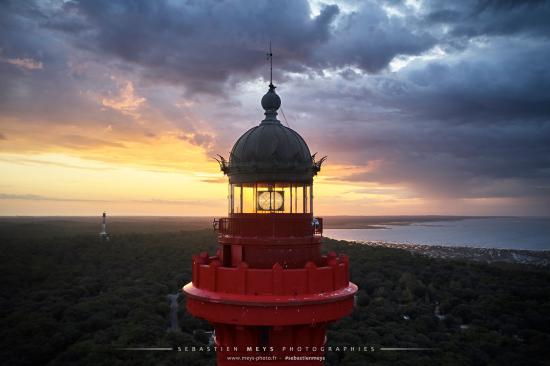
[270,152]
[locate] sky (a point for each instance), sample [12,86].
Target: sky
[422,107]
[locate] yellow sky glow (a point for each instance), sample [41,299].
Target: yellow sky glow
[170,177]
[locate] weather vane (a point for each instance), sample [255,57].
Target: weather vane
[270,58]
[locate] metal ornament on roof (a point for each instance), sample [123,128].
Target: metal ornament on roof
[270,152]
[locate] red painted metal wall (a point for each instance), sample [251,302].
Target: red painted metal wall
[270,292]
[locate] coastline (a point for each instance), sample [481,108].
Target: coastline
[539,258]
[383,222]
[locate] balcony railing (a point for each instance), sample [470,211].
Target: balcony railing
[275,225]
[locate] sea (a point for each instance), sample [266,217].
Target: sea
[532,233]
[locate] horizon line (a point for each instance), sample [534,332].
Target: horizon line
[224,215]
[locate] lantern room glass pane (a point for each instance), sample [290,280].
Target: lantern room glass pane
[249,199]
[270,198]
[286,192]
[237,198]
[306,198]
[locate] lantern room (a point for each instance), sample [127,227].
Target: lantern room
[271,172]
[270,167]
[266,197]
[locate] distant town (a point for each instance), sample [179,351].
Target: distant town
[485,255]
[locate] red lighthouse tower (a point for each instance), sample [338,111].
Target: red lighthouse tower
[269,292]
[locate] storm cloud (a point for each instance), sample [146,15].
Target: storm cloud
[449,99]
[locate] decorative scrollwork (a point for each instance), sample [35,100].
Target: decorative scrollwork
[317,163]
[224,167]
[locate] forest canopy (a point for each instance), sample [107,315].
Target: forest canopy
[67,298]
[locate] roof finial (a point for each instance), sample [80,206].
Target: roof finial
[270,58]
[271,101]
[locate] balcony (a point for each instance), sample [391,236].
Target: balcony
[269,225]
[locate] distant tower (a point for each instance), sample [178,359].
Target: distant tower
[103,235]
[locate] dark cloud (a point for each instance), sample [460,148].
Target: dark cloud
[53,93]
[197,44]
[475,125]
[198,139]
[202,44]
[471,18]
[217,180]
[369,39]
[484,156]
[503,82]
[461,161]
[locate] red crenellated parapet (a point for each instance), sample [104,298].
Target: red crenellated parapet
[286,308]
[330,276]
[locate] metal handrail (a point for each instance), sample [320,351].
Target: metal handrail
[272,227]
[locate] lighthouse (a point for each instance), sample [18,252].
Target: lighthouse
[104,235]
[268,291]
